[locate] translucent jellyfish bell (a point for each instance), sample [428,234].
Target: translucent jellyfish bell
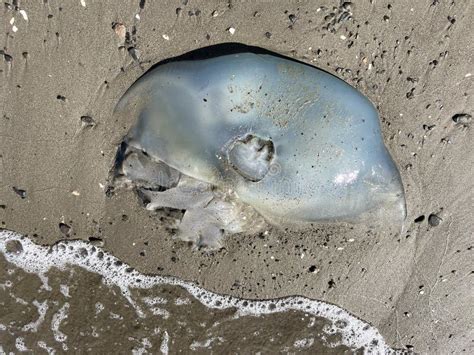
[293,142]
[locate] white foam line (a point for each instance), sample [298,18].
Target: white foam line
[34,258]
[58,317]
[44,346]
[164,349]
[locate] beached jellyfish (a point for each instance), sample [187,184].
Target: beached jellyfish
[236,138]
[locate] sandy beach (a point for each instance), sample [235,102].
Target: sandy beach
[63,68]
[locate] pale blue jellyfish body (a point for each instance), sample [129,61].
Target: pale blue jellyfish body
[294,142]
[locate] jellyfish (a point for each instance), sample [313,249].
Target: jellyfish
[244,139]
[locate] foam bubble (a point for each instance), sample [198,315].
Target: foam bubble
[206,343]
[99,307]
[58,317]
[145,342]
[34,258]
[20,344]
[164,348]
[41,344]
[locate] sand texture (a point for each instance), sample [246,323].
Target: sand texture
[64,66]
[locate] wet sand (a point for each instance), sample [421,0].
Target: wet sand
[65,63]
[74,296]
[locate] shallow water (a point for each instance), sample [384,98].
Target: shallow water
[74,296]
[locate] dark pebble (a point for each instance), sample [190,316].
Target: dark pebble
[87,121]
[65,229]
[434,220]
[419,219]
[19,192]
[462,118]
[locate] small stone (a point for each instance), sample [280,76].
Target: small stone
[8,58]
[462,118]
[134,53]
[14,247]
[120,30]
[96,241]
[65,229]
[87,121]
[24,15]
[231,30]
[434,220]
[19,192]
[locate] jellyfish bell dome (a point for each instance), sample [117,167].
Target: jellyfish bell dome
[296,144]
